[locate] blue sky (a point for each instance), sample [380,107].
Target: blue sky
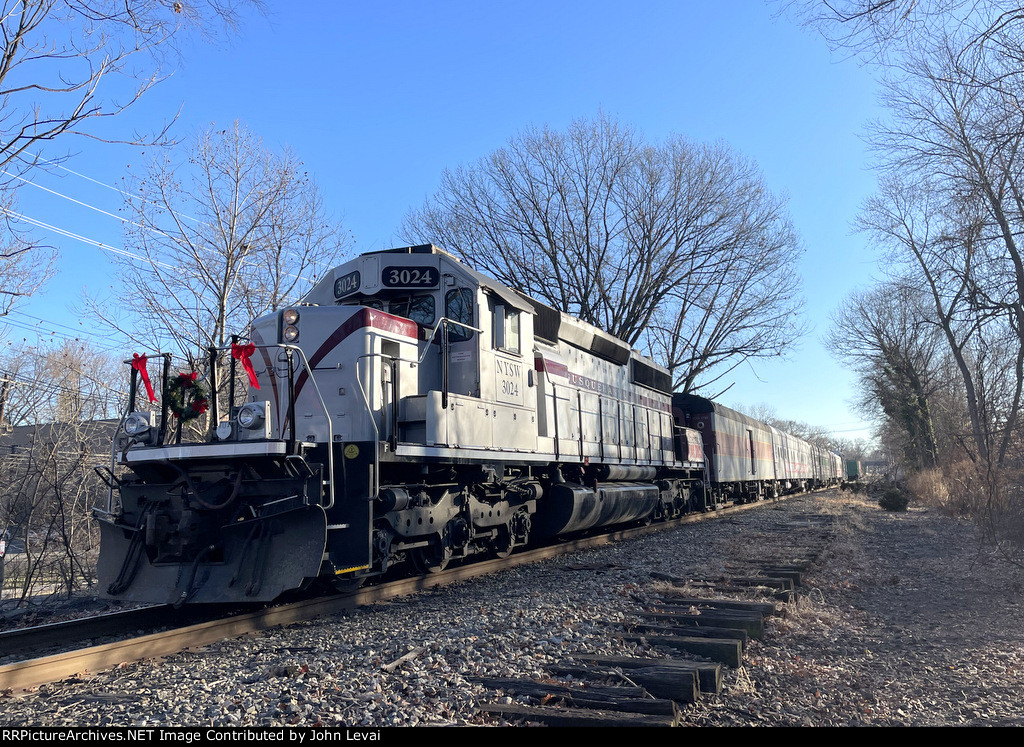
[379,98]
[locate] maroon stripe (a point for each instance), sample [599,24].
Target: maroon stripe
[270,374]
[363,318]
[551,367]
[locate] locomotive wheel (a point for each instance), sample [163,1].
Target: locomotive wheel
[503,543]
[517,526]
[430,559]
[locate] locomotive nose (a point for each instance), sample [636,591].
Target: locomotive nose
[251,561]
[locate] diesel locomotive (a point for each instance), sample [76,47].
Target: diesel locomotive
[412,412]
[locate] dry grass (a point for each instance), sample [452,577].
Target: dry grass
[930,487]
[846,506]
[742,683]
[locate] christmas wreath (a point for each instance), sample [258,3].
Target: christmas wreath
[186,397]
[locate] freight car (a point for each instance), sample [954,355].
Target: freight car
[750,460]
[854,470]
[408,411]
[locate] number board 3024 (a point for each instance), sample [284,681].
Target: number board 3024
[410,277]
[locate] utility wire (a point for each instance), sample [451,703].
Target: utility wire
[150,229]
[79,237]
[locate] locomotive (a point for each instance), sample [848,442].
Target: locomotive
[409,412]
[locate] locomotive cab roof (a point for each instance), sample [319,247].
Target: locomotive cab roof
[424,268]
[411,269]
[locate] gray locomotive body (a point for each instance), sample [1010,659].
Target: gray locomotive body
[409,411]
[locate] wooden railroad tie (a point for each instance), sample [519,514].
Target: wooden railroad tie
[785,596]
[574,717]
[752,623]
[562,705]
[736,622]
[769,582]
[649,630]
[724,650]
[678,684]
[677,599]
[772,572]
[709,674]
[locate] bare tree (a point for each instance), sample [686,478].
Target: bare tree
[237,231]
[59,383]
[671,247]
[885,31]
[737,303]
[66,64]
[24,264]
[952,207]
[950,212]
[886,336]
[54,400]
[65,67]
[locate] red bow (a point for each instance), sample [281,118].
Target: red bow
[139,364]
[244,353]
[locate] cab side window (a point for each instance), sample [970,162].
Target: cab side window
[506,329]
[458,306]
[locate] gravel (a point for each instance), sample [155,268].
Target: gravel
[903,621]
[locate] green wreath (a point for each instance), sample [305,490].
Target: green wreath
[186,397]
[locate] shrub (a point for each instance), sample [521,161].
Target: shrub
[894,499]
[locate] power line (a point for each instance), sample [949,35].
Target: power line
[30,327]
[79,237]
[150,229]
[76,330]
[50,386]
[83,204]
[52,162]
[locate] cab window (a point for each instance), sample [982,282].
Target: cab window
[458,306]
[506,329]
[419,309]
[373,303]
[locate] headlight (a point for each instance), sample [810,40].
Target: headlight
[291,316]
[136,424]
[250,416]
[291,334]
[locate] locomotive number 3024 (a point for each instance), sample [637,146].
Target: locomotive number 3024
[410,277]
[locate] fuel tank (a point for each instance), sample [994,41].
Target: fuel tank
[570,507]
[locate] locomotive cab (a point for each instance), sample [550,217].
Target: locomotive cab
[469,383]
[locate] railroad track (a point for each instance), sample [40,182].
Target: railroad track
[700,634]
[30,673]
[20,644]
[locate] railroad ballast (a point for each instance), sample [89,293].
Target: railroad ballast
[411,410]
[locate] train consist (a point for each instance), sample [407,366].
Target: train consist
[749,460]
[412,412]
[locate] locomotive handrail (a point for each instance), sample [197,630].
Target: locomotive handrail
[163,416]
[323,405]
[375,488]
[132,392]
[327,415]
[443,322]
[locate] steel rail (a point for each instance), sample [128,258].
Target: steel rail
[18,640]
